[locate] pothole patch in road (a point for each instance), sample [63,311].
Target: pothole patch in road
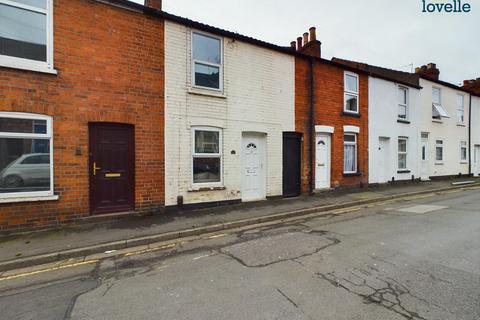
[269,250]
[422,209]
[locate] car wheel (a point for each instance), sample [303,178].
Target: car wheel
[13,182]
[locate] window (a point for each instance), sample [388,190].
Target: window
[439,150]
[26,34]
[350,153]
[438,111]
[351,93]
[402,153]
[207,156]
[460,109]
[25,155]
[207,61]
[463,151]
[436,95]
[402,103]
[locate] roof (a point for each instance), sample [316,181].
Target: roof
[222,32]
[405,78]
[451,85]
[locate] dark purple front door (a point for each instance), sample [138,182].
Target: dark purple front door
[112,168]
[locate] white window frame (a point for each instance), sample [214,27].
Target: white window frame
[194,61]
[401,104]
[352,93]
[356,151]
[402,153]
[439,145]
[463,145]
[207,155]
[47,135]
[27,64]
[460,109]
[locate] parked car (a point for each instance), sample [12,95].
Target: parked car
[29,170]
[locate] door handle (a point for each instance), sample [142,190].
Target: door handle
[95,168]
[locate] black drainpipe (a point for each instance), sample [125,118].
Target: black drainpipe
[470,173]
[312,126]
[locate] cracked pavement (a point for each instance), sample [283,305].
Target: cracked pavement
[383,262]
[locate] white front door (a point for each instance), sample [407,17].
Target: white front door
[384,162]
[322,165]
[424,162]
[253,151]
[476,160]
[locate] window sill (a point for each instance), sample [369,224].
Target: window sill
[461,124]
[439,163]
[29,199]
[437,121]
[403,171]
[354,174]
[463,162]
[403,121]
[33,67]
[207,93]
[350,114]
[203,189]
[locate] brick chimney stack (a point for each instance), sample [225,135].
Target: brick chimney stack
[155,4]
[428,71]
[472,85]
[308,44]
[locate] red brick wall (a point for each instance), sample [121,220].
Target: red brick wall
[329,99]
[110,64]
[302,117]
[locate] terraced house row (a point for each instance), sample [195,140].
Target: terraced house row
[110,107]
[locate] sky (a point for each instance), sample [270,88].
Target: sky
[389,33]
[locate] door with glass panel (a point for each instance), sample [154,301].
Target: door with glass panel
[322,163]
[253,155]
[476,160]
[424,157]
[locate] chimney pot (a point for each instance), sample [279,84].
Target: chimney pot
[299,43]
[313,34]
[155,4]
[293,45]
[429,71]
[305,38]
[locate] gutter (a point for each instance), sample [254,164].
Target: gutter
[312,125]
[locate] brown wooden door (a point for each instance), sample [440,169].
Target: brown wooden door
[112,168]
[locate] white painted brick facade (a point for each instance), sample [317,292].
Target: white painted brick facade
[258,96]
[448,129]
[383,114]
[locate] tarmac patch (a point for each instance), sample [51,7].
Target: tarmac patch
[278,248]
[422,209]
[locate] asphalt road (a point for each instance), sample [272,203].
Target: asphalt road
[417,259]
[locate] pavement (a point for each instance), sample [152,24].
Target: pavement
[27,249]
[413,259]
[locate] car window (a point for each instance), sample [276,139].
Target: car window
[36,160]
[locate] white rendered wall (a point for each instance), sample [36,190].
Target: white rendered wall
[448,129]
[383,115]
